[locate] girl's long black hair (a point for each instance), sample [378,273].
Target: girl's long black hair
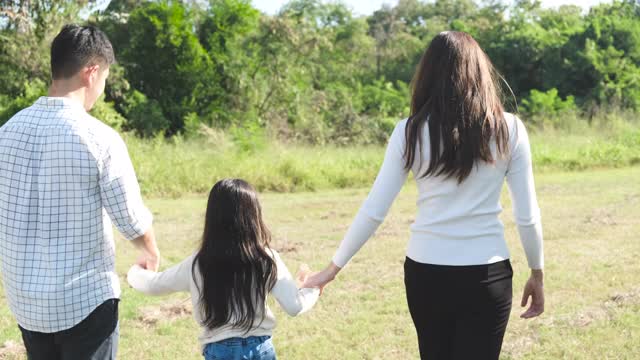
[234,260]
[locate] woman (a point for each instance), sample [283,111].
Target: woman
[460,145]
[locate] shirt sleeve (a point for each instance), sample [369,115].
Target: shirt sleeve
[120,192]
[388,183]
[175,279]
[294,301]
[523,196]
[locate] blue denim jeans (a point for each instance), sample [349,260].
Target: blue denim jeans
[253,347]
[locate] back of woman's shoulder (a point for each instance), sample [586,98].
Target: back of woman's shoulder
[400,126]
[511,119]
[514,124]
[517,130]
[399,130]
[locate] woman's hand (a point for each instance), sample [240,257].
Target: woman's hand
[534,289]
[322,278]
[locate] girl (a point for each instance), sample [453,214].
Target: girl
[230,276]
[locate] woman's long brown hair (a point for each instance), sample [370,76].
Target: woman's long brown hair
[455,91]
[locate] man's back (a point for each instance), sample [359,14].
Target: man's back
[64,178]
[56,242]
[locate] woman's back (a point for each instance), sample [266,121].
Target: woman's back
[450,212]
[456,223]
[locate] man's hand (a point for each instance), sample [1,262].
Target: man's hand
[150,257]
[149,262]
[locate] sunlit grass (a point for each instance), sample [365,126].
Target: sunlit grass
[177,167]
[591,224]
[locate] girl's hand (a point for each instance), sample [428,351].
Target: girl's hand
[534,289]
[322,278]
[303,274]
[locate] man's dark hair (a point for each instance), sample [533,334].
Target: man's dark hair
[75,47]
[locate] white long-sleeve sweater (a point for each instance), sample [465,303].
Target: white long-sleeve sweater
[456,224]
[178,278]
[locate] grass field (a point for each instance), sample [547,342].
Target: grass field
[176,167]
[591,225]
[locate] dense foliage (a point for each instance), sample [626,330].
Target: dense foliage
[315,72]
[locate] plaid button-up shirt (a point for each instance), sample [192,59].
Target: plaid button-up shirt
[64,178]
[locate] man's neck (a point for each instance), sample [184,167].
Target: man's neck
[66,89]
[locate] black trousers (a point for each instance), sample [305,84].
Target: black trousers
[94,338]
[460,312]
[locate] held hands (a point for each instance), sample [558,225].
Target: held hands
[303,274]
[534,289]
[149,261]
[322,278]
[150,255]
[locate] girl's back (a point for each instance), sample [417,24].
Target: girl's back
[179,278]
[230,276]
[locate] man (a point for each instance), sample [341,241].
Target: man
[64,178]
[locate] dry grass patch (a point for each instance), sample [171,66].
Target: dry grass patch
[151,315]
[12,350]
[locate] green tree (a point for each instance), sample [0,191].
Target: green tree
[165,61]
[526,48]
[223,33]
[602,67]
[26,31]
